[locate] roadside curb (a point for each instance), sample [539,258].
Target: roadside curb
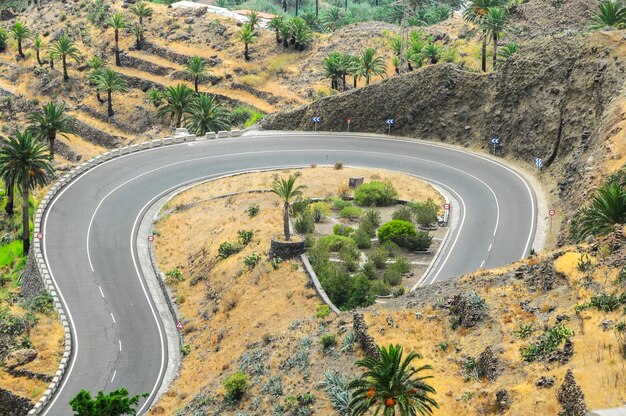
[42,267]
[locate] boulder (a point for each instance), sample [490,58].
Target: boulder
[571,397]
[19,357]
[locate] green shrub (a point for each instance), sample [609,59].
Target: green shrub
[373,216]
[402,264]
[236,385]
[251,260]
[362,239]
[604,302]
[421,241]
[398,291]
[253,210]
[328,341]
[380,194]
[404,213]
[176,274]
[547,342]
[299,206]
[379,258]
[392,276]
[275,262]
[425,212]
[245,236]
[42,303]
[381,288]
[367,226]
[524,331]
[340,229]
[584,262]
[334,243]
[396,231]
[319,211]
[304,223]
[339,204]
[351,212]
[227,249]
[322,311]
[369,270]
[245,116]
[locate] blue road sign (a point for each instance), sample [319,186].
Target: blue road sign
[495,141]
[390,121]
[317,119]
[538,162]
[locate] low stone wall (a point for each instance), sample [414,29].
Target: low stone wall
[96,136]
[287,249]
[12,405]
[143,65]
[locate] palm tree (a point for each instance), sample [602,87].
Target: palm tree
[607,209]
[64,47]
[246,36]
[331,64]
[20,32]
[97,65]
[4,35]
[38,46]
[25,160]
[506,52]
[197,68]
[141,10]
[415,54]
[354,69]
[51,58]
[433,52]
[253,19]
[495,24]
[275,24]
[137,31]
[395,61]
[610,15]
[52,120]
[205,115]
[285,33]
[301,33]
[178,102]
[117,22]
[110,81]
[475,12]
[390,383]
[332,18]
[286,191]
[372,65]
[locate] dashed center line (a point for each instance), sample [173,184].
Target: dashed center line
[490,245]
[113,378]
[101,292]
[113,317]
[120,342]
[482,264]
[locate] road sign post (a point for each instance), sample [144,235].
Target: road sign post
[179,325]
[315,121]
[495,142]
[390,122]
[150,238]
[551,213]
[39,236]
[539,163]
[349,120]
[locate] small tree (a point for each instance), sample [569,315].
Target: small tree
[63,48]
[137,31]
[3,39]
[372,65]
[141,10]
[97,66]
[246,36]
[286,191]
[111,82]
[178,102]
[117,22]
[206,114]
[494,24]
[236,385]
[20,32]
[610,15]
[52,120]
[116,403]
[38,46]
[392,385]
[275,24]
[197,68]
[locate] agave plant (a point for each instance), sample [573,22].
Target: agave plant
[506,52]
[610,15]
[607,209]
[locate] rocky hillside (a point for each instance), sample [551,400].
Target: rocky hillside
[557,99]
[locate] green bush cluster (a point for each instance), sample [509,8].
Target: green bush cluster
[328,341]
[396,231]
[424,213]
[227,249]
[319,211]
[548,341]
[340,229]
[304,223]
[322,311]
[603,302]
[351,212]
[236,386]
[15,325]
[380,194]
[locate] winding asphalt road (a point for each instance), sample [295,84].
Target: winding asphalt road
[91,228]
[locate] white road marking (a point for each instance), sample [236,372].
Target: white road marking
[490,245]
[113,378]
[101,292]
[113,317]
[482,264]
[120,342]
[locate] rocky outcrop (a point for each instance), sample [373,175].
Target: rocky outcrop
[143,65]
[503,400]
[19,357]
[488,365]
[12,405]
[467,309]
[571,397]
[365,340]
[94,135]
[32,285]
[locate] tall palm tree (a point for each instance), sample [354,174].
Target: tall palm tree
[415,54]
[137,31]
[141,10]
[331,67]
[117,22]
[495,25]
[475,12]
[96,64]
[607,209]
[20,32]
[177,102]
[26,161]
[63,48]
[253,19]
[246,36]
[38,46]
[354,69]
[610,15]
[392,385]
[49,122]
[197,68]
[286,191]
[110,81]
[206,114]
[301,32]
[372,65]
[275,24]
[332,18]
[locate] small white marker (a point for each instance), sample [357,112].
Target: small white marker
[113,317]
[482,264]
[489,249]
[113,378]
[120,342]
[101,292]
